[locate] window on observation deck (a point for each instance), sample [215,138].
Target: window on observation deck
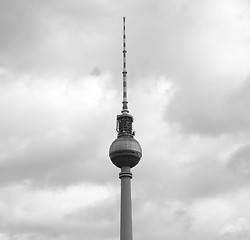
[125,125]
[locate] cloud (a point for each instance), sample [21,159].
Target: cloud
[50,214]
[168,219]
[52,38]
[49,127]
[201,108]
[237,229]
[72,39]
[60,93]
[239,163]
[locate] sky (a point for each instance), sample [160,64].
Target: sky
[188,65]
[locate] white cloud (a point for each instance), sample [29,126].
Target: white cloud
[240,229]
[46,128]
[44,212]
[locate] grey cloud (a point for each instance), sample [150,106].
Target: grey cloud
[235,229]
[177,39]
[205,178]
[208,111]
[57,160]
[48,141]
[239,162]
[97,220]
[91,222]
[51,36]
[168,219]
[209,177]
[198,178]
[72,38]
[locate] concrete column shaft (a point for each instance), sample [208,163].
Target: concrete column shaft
[126,210]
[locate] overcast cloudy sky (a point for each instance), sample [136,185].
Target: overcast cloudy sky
[60,92]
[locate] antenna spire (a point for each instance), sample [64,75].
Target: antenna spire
[124,73]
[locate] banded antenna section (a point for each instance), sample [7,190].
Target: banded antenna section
[124,73]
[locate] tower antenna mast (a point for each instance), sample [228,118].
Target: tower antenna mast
[124,73]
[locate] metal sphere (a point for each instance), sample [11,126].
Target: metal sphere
[125,151]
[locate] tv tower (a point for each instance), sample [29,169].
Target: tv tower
[125,152]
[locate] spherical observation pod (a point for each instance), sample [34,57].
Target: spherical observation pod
[125,151]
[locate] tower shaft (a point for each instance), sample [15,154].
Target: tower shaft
[126,232]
